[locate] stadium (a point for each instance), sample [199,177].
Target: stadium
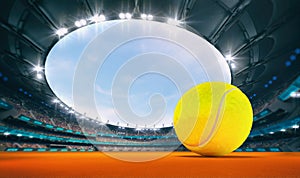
[88,87]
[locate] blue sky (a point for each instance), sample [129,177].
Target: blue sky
[140,80]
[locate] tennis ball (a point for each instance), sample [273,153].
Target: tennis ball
[213,118]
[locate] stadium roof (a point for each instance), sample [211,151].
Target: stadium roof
[259,37]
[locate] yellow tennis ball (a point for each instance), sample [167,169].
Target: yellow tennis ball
[213,118]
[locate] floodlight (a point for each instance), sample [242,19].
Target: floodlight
[55,100]
[233,66]
[122,16]
[295,126]
[62,31]
[228,57]
[83,22]
[38,68]
[174,22]
[144,16]
[39,76]
[295,95]
[128,15]
[150,17]
[77,23]
[102,18]
[6,133]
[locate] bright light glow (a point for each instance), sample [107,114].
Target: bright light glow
[61,105]
[150,17]
[233,66]
[102,18]
[71,112]
[55,100]
[282,130]
[122,16]
[271,132]
[19,135]
[30,136]
[66,108]
[295,95]
[62,31]
[98,18]
[39,76]
[38,68]
[77,23]
[6,133]
[128,15]
[82,22]
[174,22]
[295,126]
[144,16]
[147,17]
[228,57]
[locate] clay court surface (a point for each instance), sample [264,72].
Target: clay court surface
[176,164]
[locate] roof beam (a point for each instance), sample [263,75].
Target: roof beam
[24,61]
[41,13]
[285,51]
[272,28]
[30,42]
[186,9]
[229,20]
[88,5]
[16,57]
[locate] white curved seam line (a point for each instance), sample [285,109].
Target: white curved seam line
[217,120]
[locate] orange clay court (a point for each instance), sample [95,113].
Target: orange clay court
[177,164]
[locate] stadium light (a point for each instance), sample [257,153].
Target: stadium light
[80,23]
[6,133]
[150,17]
[30,136]
[83,22]
[271,132]
[233,66]
[144,16]
[55,100]
[282,130]
[128,15]
[228,58]
[62,31]
[39,76]
[174,22]
[295,126]
[38,68]
[122,15]
[77,23]
[295,95]
[19,135]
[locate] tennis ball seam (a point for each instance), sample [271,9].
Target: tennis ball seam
[217,121]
